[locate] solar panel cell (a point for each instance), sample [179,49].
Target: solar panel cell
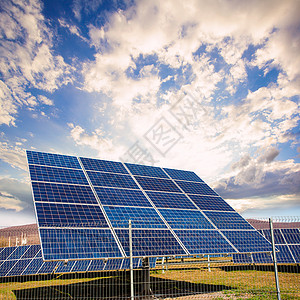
[6,252]
[19,267]
[52,174]
[81,265]
[19,251]
[63,267]
[284,255]
[55,160]
[292,235]
[147,242]
[112,180]
[183,175]
[295,249]
[6,266]
[72,243]
[140,217]
[32,251]
[242,258]
[228,220]
[52,192]
[248,241]
[110,196]
[211,203]
[185,219]
[157,184]
[170,200]
[277,236]
[33,266]
[103,165]
[113,264]
[196,188]
[96,265]
[204,241]
[47,267]
[69,215]
[146,171]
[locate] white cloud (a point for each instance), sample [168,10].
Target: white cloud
[13,155]
[27,59]
[8,201]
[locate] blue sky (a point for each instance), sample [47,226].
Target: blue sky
[208,86]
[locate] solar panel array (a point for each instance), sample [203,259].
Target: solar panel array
[287,242]
[83,206]
[27,260]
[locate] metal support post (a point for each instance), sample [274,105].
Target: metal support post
[274,260]
[208,259]
[131,262]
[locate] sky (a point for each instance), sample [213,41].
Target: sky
[208,86]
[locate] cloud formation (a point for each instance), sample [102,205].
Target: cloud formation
[27,60]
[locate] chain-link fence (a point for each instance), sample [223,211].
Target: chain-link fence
[208,274]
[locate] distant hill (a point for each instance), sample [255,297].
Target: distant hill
[260,224]
[18,232]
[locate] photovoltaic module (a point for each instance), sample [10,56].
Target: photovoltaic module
[83,207]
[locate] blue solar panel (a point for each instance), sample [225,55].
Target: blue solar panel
[292,235]
[32,251]
[47,267]
[228,220]
[183,175]
[137,263]
[69,215]
[103,165]
[19,251]
[55,160]
[33,266]
[6,266]
[262,258]
[211,203]
[113,264]
[146,171]
[52,174]
[185,219]
[170,200]
[147,242]
[278,238]
[52,192]
[157,184]
[204,241]
[248,241]
[110,196]
[140,217]
[196,188]
[284,255]
[72,243]
[81,265]
[6,252]
[62,267]
[19,267]
[295,249]
[96,265]
[112,180]
[242,258]
[71,221]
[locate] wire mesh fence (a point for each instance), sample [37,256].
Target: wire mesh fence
[204,274]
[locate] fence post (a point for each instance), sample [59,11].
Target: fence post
[131,261]
[274,259]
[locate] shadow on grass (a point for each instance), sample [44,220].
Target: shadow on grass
[117,286]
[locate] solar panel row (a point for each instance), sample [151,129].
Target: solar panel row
[27,260]
[287,242]
[83,207]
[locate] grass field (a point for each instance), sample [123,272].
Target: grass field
[177,283]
